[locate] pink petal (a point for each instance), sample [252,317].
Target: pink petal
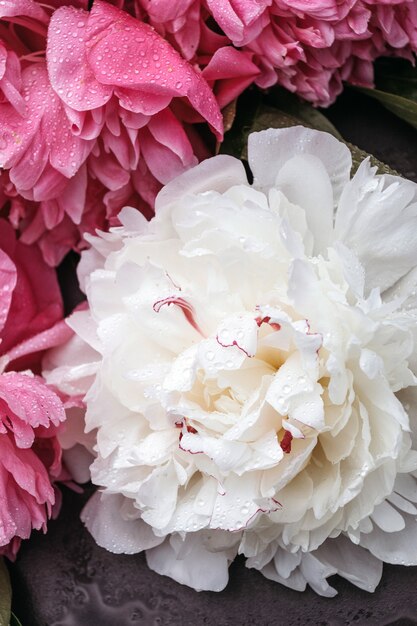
[72,200]
[28,8]
[164,11]
[28,404]
[50,338]
[11,80]
[7,285]
[40,149]
[165,147]
[233,70]
[123,54]
[241,20]
[70,74]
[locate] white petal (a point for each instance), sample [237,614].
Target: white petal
[292,393]
[218,173]
[385,206]
[396,548]
[353,271]
[268,150]
[294,581]
[406,486]
[182,373]
[240,505]
[404,289]
[213,357]
[73,432]
[240,331]
[352,562]
[85,327]
[314,194]
[402,504]
[371,363]
[387,518]
[102,516]
[286,562]
[133,221]
[227,455]
[198,568]
[158,495]
[71,367]
[315,572]
[155,448]
[78,460]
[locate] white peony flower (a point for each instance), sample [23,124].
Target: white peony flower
[245,357]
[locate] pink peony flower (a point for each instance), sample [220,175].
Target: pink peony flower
[312,47]
[308,46]
[88,113]
[31,321]
[189,26]
[30,457]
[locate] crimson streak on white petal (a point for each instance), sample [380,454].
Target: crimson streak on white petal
[185,307]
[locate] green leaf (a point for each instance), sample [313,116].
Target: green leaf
[255,112]
[404,108]
[15,621]
[396,88]
[5,595]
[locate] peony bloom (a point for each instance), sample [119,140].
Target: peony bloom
[80,108]
[247,359]
[308,46]
[31,321]
[311,47]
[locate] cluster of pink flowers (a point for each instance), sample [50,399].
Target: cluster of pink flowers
[30,413]
[308,46]
[98,109]
[93,115]
[102,105]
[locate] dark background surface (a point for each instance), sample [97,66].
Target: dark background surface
[64,579]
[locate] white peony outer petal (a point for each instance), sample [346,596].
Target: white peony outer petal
[118,533]
[351,562]
[385,206]
[277,156]
[271,150]
[189,562]
[219,173]
[396,547]
[248,363]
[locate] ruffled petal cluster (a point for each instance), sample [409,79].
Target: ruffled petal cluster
[94,110]
[248,361]
[31,321]
[30,459]
[310,48]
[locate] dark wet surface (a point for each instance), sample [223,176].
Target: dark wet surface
[64,579]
